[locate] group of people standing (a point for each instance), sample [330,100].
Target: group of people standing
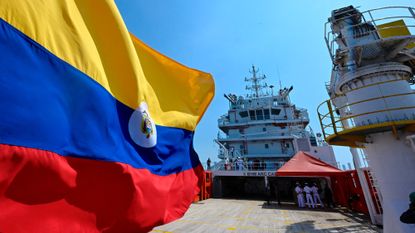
[312,196]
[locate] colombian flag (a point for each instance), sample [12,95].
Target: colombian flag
[96,128]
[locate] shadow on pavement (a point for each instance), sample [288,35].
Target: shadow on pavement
[308,226]
[362,221]
[292,206]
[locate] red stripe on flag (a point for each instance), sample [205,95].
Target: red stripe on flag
[41,191]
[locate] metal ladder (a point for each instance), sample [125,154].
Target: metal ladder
[376,193]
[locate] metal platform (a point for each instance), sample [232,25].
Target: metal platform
[344,131]
[352,137]
[227,215]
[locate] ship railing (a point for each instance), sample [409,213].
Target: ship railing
[247,166]
[299,119]
[221,135]
[274,134]
[223,120]
[213,166]
[262,136]
[332,123]
[377,18]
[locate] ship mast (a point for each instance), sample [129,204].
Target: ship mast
[256,86]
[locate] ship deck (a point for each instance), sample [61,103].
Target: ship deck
[229,215]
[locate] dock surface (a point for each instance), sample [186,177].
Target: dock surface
[228,215]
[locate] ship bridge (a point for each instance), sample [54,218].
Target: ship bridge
[260,132]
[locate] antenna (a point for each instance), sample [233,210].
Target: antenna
[279,76]
[256,85]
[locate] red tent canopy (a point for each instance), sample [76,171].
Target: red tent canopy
[303,164]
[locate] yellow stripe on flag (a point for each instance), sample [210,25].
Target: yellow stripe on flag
[91,36]
[179,94]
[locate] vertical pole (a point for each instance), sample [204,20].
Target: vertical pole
[412,11]
[333,122]
[371,17]
[321,124]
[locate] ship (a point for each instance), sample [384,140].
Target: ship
[260,132]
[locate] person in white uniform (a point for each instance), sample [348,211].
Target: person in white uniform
[240,164]
[309,198]
[300,197]
[316,196]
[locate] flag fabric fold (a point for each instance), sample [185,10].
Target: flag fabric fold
[96,128]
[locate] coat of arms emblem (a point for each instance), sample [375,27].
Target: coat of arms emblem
[141,127]
[146,126]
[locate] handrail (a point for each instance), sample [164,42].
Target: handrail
[331,45]
[376,98]
[336,124]
[378,9]
[330,36]
[246,166]
[373,112]
[376,83]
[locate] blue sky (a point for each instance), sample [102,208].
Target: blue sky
[284,39]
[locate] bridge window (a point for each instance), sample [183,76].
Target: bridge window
[252,114]
[259,115]
[243,114]
[275,111]
[266,114]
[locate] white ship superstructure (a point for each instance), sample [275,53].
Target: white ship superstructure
[372,104]
[263,130]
